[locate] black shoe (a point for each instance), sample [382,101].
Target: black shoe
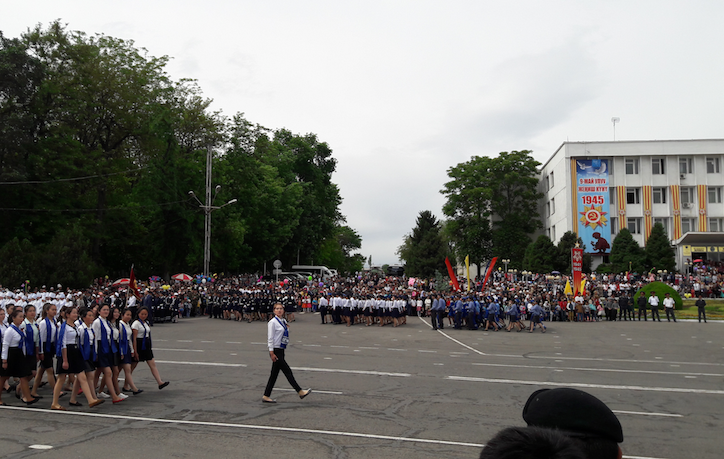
[75,403]
[161,386]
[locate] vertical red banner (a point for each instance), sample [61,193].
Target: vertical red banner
[453,277]
[577,263]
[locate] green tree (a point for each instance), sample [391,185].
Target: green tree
[424,249]
[492,206]
[563,260]
[658,251]
[626,253]
[336,251]
[540,256]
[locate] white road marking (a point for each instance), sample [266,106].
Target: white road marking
[179,350]
[40,447]
[356,372]
[207,341]
[373,348]
[184,341]
[393,349]
[316,391]
[644,413]
[339,346]
[593,359]
[255,343]
[591,386]
[312,345]
[423,350]
[206,364]
[613,370]
[258,427]
[233,342]
[250,427]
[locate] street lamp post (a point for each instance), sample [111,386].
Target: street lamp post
[505,262]
[208,208]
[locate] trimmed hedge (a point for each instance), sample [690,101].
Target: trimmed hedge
[661,290]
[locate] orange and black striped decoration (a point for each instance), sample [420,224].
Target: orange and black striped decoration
[648,201]
[621,205]
[676,204]
[701,195]
[574,195]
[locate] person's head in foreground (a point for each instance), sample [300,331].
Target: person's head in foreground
[578,415]
[531,443]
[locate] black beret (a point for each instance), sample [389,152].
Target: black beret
[573,411]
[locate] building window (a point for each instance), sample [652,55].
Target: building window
[685,165]
[548,182]
[553,206]
[657,166]
[712,165]
[553,233]
[714,193]
[614,225]
[715,225]
[632,166]
[664,222]
[633,195]
[687,195]
[551,180]
[548,209]
[659,195]
[687,225]
[634,225]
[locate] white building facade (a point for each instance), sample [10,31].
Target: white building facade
[597,188]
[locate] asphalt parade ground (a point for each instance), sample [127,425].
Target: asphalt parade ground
[384,392]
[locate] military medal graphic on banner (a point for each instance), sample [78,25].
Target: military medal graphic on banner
[593,204]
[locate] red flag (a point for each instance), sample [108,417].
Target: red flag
[577,264]
[132,286]
[489,270]
[452,275]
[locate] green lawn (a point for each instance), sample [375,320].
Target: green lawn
[714,309]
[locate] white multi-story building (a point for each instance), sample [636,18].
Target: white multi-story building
[597,188]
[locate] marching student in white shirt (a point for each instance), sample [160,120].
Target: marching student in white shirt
[3,379]
[32,343]
[87,345]
[46,335]
[127,351]
[106,349]
[277,340]
[14,363]
[144,349]
[70,362]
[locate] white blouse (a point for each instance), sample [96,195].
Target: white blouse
[142,328]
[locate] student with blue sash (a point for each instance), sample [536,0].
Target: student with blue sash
[14,362]
[144,350]
[46,336]
[3,329]
[126,350]
[277,340]
[88,350]
[70,362]
[106,349]
[32,343]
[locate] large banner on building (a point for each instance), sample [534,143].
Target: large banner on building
[594,227]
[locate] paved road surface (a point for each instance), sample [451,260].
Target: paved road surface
[384,392]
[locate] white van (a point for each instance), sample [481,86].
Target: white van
[321,271]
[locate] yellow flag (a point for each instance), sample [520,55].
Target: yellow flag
[467,268]
[583,287]
[568,290]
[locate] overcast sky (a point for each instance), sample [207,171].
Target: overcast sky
[403,90]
